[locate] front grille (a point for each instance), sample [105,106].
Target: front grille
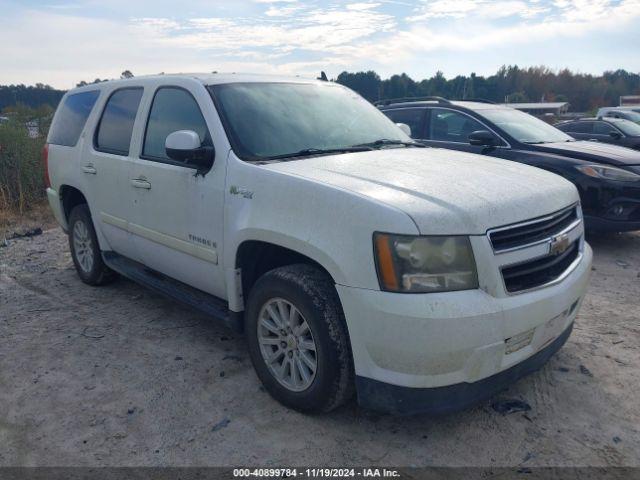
[534,273]
[526,233]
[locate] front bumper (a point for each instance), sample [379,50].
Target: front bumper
[429,341]
[380,396]
[610,206]
[606,225]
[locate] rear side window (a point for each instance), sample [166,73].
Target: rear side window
[409,116]
[114,131]
[70,118]
[173,109]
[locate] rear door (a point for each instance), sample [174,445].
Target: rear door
[177,216]
[105,164]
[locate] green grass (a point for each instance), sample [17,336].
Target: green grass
[22,182]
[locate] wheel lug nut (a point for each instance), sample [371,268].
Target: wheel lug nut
[290,354]
[283,344]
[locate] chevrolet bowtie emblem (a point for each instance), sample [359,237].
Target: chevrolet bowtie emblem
[559,244]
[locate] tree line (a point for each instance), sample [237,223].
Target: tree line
[585,92]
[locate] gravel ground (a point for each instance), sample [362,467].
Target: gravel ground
[119,376]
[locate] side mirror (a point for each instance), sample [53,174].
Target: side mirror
[616,135]
[483,138]
[405,128]
[185,146]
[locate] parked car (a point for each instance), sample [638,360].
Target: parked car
[353,258]
[605,129]
[607,176]
[627,113]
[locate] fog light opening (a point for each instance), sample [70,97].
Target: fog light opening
[518,342]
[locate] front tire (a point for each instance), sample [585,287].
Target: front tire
[85,250]
[298,339]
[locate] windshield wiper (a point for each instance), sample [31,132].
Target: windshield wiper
[308,152]
[385,141]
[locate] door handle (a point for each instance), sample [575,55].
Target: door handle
[140,183]
[90,169]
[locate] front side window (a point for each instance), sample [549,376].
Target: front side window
[603,128]
[265,120]
[409,116]
[451,126]
[173,109]
[523,127]
[577,127]
[71,117]
[114,131]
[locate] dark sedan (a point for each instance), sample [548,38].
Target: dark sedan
[606,129]
[607,176]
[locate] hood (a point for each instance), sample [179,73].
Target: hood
[592,152]
[443,191]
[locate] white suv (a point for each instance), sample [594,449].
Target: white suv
[352,258]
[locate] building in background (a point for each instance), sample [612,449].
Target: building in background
[540,109]
[629,100]
[550,112]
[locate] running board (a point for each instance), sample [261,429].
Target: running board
[202,301]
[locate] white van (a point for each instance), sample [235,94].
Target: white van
[353,259]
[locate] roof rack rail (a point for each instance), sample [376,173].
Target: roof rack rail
[412,99]
[478,100]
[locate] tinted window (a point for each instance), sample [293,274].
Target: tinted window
[451,126]
[70,118]
[173,109]
[602,128]
[409,116]
[116,125]
[577,127]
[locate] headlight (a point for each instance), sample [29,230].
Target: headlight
[609,173]
[424,264]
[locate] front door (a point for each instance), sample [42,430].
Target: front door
[450,129]
[177,217]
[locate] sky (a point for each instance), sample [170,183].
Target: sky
[61,42]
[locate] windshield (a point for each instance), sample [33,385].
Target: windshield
[524,127]
[628,128]
[633,116]
[265,120]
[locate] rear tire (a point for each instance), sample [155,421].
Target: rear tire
[85,250]
[294,317]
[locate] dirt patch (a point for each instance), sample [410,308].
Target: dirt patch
[13,224]
[118,375]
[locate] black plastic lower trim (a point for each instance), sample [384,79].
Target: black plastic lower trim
[599,224]
[202,301]
[384,397]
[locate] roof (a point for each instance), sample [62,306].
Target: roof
[464,104]
[537,105]
[597,119]
[204,78]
